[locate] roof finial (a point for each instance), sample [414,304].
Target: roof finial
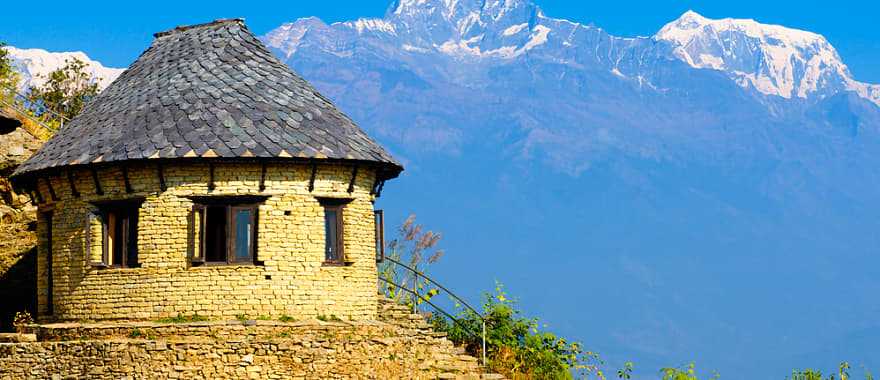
[181,28]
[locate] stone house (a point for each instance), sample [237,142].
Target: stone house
[207,179]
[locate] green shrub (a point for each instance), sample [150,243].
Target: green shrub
[516,348]
[689,373]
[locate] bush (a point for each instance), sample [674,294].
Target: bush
[683,374]
[515,346]
[417,249]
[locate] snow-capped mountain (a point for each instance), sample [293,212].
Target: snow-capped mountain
[772,59]
[36,64]
[659,177]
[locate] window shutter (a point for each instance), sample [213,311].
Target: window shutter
[196,234]
[94,234]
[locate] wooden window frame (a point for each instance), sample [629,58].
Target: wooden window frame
[106,214]
[337,205]
[197,243]
[197,247]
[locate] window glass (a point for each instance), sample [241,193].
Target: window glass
[243,232]
[380,234]
[331,221]
[215,234]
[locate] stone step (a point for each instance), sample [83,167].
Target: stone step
[17,338]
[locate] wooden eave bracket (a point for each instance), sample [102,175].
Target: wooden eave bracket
[98,189]
[312,178]
[72,182]
[354,173]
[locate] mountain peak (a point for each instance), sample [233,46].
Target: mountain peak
[691,23]
[456,12]
[691,19]
[35,65]
[771,59]
[453,8]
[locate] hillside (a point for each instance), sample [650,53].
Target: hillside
[18,228]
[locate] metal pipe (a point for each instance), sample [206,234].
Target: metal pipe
[484,342]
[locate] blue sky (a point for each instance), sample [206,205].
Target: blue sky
[116,32]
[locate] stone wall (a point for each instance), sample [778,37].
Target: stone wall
[402,347]
[290,243]
[18,237]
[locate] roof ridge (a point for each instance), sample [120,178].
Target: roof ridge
[182,28]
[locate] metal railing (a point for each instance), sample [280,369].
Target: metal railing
[481,336]
[20,104]
[27,115]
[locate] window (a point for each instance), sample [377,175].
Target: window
[224,230]
[379,216]
[334,252]
[115,227]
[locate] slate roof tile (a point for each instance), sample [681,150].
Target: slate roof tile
[211,88]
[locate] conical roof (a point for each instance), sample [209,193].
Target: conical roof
[209,91]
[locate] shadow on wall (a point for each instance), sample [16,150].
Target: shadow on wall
[18,289]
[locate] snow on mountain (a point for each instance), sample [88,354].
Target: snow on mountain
[768,59]
[36,64]
[772,59]
[716,150]
[494,48]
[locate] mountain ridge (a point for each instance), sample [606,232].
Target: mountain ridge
[35,64]
[676,196]
[506,30]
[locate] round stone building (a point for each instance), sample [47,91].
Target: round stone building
[207,179]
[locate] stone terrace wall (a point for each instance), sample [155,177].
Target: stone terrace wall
[407,349]
[290,243]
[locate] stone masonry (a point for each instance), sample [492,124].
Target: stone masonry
[401,346]
[289,242]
